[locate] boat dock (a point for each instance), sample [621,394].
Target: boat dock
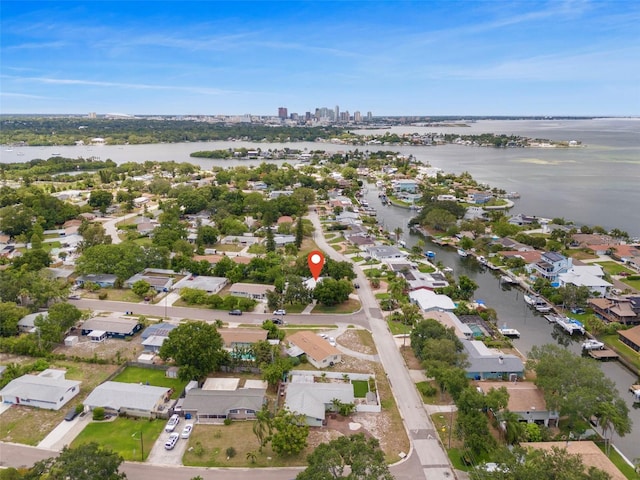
[603,355]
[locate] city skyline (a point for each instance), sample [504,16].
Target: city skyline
[577,58]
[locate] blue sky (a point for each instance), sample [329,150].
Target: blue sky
[390,58]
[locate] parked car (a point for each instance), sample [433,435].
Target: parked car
[277,321]
[171,442]
[172,423]
[356,285]
[71,414]
[186,431]
[235,311]
[75,296]
[280,311]
[332,341]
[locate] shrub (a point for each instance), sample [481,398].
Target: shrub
[98,413]
[102,296]
[79,408]
[227,421]
[231,452]
[427,389]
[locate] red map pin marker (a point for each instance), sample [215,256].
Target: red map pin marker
[316,262]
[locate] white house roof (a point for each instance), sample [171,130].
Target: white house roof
[583,280]
[111,324]
[310,398]
[429,300]
[42,388]
[202,282]
[117,395]
[28,320]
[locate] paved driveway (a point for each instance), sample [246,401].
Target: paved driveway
[161,456]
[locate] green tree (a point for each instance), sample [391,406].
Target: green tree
[101,199]
[299,232]
[290,433]
[361,456]
[10,314]
[85,462]
[93,234]
[262,426]
[140,288]
[196,347]
[270,243]
[332,292]
[16,220]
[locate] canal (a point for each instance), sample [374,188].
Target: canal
[511,309]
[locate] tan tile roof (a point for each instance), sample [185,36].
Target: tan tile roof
[591,455]
[633,334]
[313,345]
[523,396]
[217,258]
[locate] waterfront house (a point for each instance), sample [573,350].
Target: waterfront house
[49,390]
[485,363]
[405,185]
[590,276]
[133,399]
[631,337]
[385,252]
[450,320]
[428,300]
[525,400]
[551,265]
[624,310]
[318,351]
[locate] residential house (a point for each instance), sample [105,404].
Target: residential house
[313,400]
[214,406]
[242,338]
[450,320]
[280,193]
[624,310]
[583,240]
[360,241]
[160,329]
[213,258]
[102,280]
[486,364]
[282,240]
[529,257]
[318,351]
[522,220]
[113,326]
[27,323]
[160,280]
[244,240]
[133,399]
[631,337]
[405,185]
[385,252]
[255,291]
[428,300]
[525,400]
[475,213]
[211,285]
[153,344]
[625,253]
[512,245]
[479,198]
[551,265]
[590,276]
[49,390]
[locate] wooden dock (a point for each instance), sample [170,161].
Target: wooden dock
[603,355]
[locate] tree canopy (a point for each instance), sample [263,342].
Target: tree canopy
[362,456]
[196,347]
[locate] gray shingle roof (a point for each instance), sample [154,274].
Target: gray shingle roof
[220,402]
[117,395]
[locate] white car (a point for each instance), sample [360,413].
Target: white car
[280,311]
[593,344]
[332,341]
[172,423]
[186,431]
[171,442]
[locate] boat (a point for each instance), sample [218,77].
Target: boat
[510,332]
[592,344]
[543,307]
[506,279]
[462,252]
[530,300]
[569,325]
[537,303]
[447,270]
[430,254]
[482,260]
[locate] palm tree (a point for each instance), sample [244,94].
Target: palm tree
[398,233]
[514,428]
[252,456]
[262,427]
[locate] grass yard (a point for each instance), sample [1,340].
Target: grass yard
[154,377]
[632,283]
[398,328]
[614,268]
[209,443]
[579,254]
[350,306]
[29,426]
[360,388]
[114,294]
[613,341]
[122,435]
[445,423]
[228,247]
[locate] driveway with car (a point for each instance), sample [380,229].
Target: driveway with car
[160,455]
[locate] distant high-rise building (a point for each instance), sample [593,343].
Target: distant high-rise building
[369,117]
[357,117]
[282,112]
[307,116]
[337,113]
[92,114]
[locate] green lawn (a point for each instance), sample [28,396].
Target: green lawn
[624,350]
[154,377]
[122,435]
[350,306]
[632,283]
[398,328]
[614,268]
[360,388]
[424,268]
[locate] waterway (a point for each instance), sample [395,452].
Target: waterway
[511,309]
[595,184]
